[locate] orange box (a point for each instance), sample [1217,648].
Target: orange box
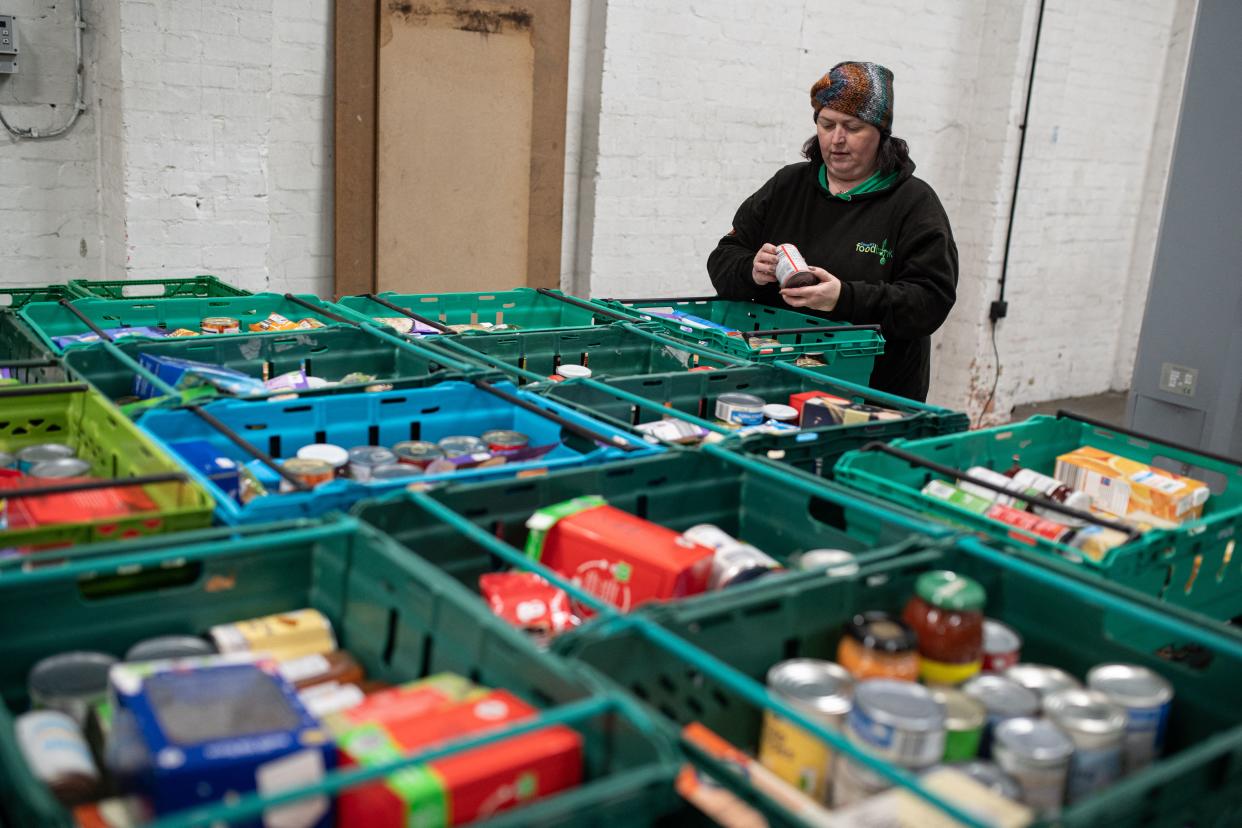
[1122,486]
[464,787]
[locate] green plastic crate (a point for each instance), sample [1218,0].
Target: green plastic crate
[192,286]
[848,351]
[23,357]
[328,353]
[17,298]
[50,320]
[85,420]
[620,350]
[1199,781]
[676,490]
[528,309]
[1192,566]
[695,393]
[400,618]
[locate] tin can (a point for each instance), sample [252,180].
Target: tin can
[852,783]
[898,721]
[1003,699]
[505,441]
[964,717]
[735,561]
[739,409]
[335,456]
[1002,646]
[571,371]
[7,461]
[1037,755]
[31,456]
[364,459]
[823,691]
[810,360]
[461,445]
[791,269]
[169,646]
[56,752]
[310,471]
[417,453]
[64,467]
[1097,725]
[989,775]
[71,682]
[837,562]
[1147,697]
[1042,679]
[395,471]
[220,325]
[780,413]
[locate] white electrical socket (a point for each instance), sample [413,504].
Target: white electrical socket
[8,44]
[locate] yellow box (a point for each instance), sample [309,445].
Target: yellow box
[1123,486]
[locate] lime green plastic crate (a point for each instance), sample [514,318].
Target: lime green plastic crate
[99,433]
[696,392]
[327,353]
[524,309]
[201,285]
[398,616]
[677,490]
[51,320]
[847,351]
[1198,782]
[1194,566]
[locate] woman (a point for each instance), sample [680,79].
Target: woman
[876,238]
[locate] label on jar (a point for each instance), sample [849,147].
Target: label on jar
[796,756]
[1092,769]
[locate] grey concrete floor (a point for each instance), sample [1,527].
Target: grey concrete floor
[1109,407]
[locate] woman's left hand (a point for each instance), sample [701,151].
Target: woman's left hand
[820,297]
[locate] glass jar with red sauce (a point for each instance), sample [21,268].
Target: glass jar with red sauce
[878,645]
[946,614]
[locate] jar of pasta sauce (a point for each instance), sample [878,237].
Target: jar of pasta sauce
[946,614]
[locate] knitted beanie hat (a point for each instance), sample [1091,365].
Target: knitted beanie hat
[864,90]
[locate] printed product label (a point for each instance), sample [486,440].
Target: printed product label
[1108,493]
[1145,728]
[1025,520]
[607,580]
[1042,788]
[905,747]
[1093,769]
[796,756]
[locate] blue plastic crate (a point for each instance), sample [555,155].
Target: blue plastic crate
[348,420]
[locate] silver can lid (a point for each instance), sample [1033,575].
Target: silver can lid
[1086,711]
[736,398]
[334,455]
[1033,740]
[838,562]
[75,673]
[372,456]
[169,646]
[395,471]
[1042,678]
[961,712]
[1001,696]
[61,467]
[44,451]
[1130,685]
[460,444]
[900,704]
[1000,638]
[817,687]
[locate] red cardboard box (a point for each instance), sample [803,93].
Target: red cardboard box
[466,786]
[623,559]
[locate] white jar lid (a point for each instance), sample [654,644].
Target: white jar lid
[777,411]
[333,455]
[572,371]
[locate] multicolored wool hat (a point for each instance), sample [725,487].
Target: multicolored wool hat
[864,90]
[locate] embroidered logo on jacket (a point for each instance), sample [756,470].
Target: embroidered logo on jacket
[880,250]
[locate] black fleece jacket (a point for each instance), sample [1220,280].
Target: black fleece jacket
[893,252]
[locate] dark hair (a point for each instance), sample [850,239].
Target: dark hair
[893,154]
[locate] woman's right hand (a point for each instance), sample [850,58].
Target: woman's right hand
[763,269]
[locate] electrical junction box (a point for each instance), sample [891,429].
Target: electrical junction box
[8,45]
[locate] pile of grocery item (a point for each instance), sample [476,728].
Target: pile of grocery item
[315,464]
[750,414]
[763,344]
[187,375]
[941,685]
[53,464]
[1088,480]
[273,323]
[267,705]
[409,326]
[627,561]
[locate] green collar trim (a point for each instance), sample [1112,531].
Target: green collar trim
[878,182]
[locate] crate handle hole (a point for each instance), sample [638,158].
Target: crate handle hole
[143,291]
[123,583]
[827,512]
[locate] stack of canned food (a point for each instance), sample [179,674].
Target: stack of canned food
[1032,733]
